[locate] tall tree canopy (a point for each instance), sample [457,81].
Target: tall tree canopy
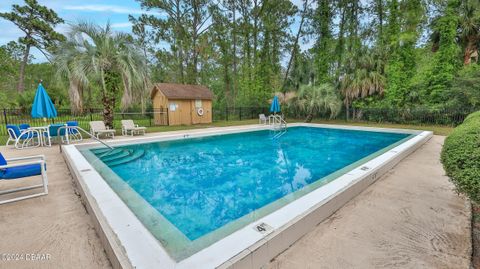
[37,22]
[375,54]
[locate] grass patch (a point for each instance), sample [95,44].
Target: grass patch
[200,126]
[437,129]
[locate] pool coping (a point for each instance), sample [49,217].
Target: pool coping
[120,230]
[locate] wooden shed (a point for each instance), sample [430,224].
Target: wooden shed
[186,104]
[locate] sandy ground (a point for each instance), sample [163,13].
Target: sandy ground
[56,224]
[409,219]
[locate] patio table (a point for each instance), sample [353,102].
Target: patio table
[46,130]
[41,130]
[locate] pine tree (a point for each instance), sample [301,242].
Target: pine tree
[37,22]
[323,23]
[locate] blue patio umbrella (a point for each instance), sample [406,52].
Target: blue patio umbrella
[275,107]
[42,104]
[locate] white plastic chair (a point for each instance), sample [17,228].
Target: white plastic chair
[262,119]
[98,128]
[129,126]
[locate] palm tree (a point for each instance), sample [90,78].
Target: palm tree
[365,78]
[469,24]
[98,55]
[312,99]
[468,30]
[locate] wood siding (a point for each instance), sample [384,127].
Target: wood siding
[160,102]
[207,112]
[182,113]
[185,112]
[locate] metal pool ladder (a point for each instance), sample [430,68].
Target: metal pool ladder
[277,122]
[279,125]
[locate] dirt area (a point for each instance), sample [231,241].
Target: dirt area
[476,236]
[56,225]
[410,218]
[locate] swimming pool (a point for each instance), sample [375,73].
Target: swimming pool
[191,193]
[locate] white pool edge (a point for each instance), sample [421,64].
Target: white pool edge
[129,244]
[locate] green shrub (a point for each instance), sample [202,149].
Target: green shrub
[461,157]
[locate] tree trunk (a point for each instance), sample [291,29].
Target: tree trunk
[347,109]
[76,96]
[178,41]
[379,7]
[23,64]
[111,83]
[297,37]
[108,108]
[339,49]
[309,118]
[143,96]
[469,49]
[234,35]
[226,78]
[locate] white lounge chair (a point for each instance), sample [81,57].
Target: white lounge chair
[98,128]
[262,119]
[129,126]
[17,168]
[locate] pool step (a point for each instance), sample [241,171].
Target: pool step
[125,157]
[116,155]
[103,150]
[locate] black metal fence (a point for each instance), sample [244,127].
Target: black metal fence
[18,116]
[451,117]
[238,113]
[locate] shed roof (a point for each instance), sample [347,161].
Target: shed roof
[182,91]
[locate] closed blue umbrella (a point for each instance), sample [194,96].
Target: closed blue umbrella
[42,104]
[275,107]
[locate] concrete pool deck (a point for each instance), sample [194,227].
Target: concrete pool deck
[408,218]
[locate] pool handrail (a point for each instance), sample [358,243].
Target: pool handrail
[78,128]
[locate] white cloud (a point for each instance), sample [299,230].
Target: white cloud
[122,25]
[110,8]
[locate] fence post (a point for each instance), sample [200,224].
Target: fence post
[240,113]
[226,113]
[90,112]
[168,118]
[5,116]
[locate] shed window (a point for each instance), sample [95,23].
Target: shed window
[173,106]
[198,103]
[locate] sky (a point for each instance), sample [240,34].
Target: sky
[98,11]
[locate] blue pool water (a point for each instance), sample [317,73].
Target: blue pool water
[202,184]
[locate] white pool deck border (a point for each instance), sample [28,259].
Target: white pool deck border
[130,245]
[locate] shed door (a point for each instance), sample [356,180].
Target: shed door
[179,112]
